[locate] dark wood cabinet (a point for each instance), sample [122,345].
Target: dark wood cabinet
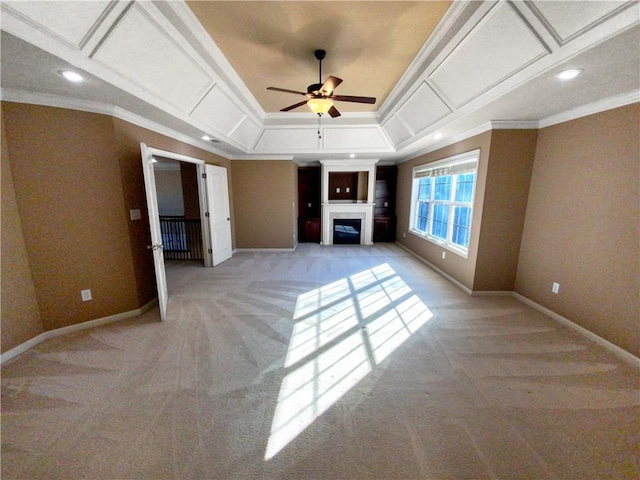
[384,222]
[309,206]
[384,229]
[309,230]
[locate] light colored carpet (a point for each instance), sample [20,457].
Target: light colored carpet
[340,362]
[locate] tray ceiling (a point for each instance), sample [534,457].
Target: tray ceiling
[369,44]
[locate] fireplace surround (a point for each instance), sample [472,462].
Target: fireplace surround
[361,208]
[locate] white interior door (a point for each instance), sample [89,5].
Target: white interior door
[219,214]
[154,223]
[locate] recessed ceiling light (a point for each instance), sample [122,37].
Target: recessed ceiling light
[71,76]
[352,155]
[569,74]
[206,137]
[437,136]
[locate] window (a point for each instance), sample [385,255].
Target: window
[442,204]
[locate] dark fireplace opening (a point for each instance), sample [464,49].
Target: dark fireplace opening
[346,231]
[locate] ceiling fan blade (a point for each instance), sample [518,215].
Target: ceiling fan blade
[350,98]
[286,91]
[333,111]
[330,85]
[291,107]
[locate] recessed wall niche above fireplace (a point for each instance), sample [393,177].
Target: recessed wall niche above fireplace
[348,189]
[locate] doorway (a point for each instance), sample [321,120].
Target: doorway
[179,210]
[215,220]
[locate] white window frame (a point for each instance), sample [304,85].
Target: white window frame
[442,168]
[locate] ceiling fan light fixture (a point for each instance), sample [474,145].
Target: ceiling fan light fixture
[320,105]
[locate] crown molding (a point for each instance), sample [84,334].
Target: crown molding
[290,119]
[450,141]
[20,96]
[514,124]
[264,157]
[592,108]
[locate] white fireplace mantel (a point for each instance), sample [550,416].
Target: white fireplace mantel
[362,210]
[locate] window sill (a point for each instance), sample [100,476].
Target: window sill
[447,246]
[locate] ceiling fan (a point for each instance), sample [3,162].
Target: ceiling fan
[320,95]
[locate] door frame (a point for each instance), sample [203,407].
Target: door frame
[202,196]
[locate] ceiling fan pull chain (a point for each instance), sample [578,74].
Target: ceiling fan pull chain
[319,136]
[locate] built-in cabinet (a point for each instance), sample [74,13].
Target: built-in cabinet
[309,206]
[346,187]
[384,221]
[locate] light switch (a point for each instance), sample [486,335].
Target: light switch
[86,295]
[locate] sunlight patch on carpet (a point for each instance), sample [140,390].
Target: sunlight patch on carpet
[344,330]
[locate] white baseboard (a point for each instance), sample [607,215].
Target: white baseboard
[614,349]
[23,347]
[621,353]
[462,287]
[491,293]
[264,250]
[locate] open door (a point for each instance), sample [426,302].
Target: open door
[154,224]
[219,214]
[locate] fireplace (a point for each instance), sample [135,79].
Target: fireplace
[346,231]
[350,214]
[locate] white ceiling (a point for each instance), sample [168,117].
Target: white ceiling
[157,64]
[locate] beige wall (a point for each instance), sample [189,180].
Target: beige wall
[264,203]
[76,176]
[69,193]
[460,268]
[20,312]
[189,176]
[582,225]
[511,157]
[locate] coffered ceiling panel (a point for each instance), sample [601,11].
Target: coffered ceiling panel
[278,140]
[500,45]
[69,21]
[353,138]
[397,130]
[144,53]
[218,111]
[570,18]
[422,109]
[246,133]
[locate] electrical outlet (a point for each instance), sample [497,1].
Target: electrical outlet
[555,288]
[404,234]
[135,214]
[86,295]
[444,254]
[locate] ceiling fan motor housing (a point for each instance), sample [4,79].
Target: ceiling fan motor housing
[314,89]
